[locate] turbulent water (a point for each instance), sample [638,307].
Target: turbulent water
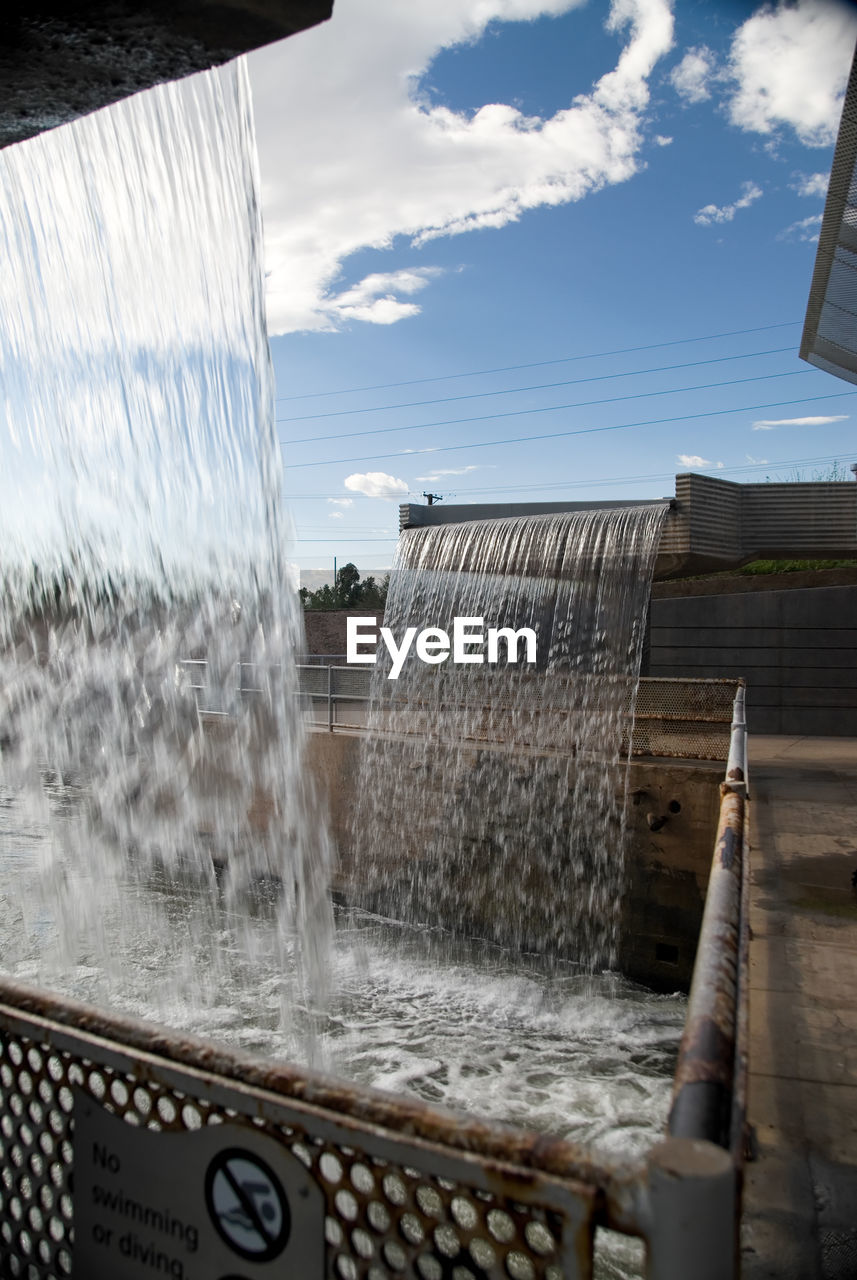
[161,848]
[492,797]
[140,528]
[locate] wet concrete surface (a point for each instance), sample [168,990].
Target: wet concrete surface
[800,1199]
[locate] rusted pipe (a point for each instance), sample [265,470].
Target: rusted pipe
[736,765]
[702,1094]
[705,1078]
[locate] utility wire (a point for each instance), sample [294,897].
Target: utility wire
[550,408]
[511,391]
[540,364]
[602,481]
[656,475]
[582,484]
[581,431]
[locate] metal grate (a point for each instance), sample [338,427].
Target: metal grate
[394,1205]
[688,719]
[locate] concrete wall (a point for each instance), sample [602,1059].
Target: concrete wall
[326,629]
[666,871]
[796,649]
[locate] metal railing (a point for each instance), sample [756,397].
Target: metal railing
[709,1102]
[128,1149]
[673,717]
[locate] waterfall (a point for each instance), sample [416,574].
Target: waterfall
[147,800]
[492,797]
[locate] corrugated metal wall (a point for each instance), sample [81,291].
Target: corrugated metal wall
[713,523]
[796,649]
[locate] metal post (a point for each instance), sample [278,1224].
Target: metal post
[736,765]
[329,698]
[692,1229]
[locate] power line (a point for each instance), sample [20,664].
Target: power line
[518,391]
[655,475]
[581,431]
[550,408]
[512,391]
[540,364]
[605,480]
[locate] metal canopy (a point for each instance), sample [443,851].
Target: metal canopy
[829,338]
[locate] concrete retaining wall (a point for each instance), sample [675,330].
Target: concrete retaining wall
[666,871]
[796,649]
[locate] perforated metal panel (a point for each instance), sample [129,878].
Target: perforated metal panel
[397,1204]
[688,719]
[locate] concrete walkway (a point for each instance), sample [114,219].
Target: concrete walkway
[800,1199]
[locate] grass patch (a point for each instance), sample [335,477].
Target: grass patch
[793,566]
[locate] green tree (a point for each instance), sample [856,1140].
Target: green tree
[348,592]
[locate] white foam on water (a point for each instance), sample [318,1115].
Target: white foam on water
[481,1030]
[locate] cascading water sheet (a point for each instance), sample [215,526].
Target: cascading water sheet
[142,555]
[492,797]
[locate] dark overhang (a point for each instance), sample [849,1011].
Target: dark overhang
[60,59]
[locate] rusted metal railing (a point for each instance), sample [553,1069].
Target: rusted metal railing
[709,1094]
[112,1130]
[119,1142]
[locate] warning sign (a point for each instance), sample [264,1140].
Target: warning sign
[224,1201]
[247,1204]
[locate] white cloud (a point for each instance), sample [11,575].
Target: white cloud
[811,184]
[761,462]
[341,502]
[806,229]
[790,64]
[693,460]
[712,213]
[769,424]
[376,484]
[691,77]
[447,471]
[660,140]
[373,299]
[336,515]
[353,156]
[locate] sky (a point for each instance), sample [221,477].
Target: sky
[544,250]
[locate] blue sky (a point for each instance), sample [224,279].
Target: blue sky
[500,233]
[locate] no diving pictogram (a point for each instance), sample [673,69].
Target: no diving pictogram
[247,1204]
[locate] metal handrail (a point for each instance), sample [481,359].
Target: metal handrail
[711,1059]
